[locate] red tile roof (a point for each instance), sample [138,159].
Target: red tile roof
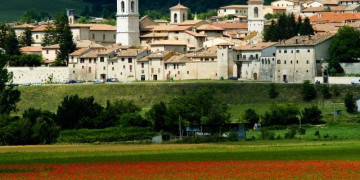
[227,26]
[334,17]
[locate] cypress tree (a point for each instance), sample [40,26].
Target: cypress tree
[26,39]
[11,44]
[306,28]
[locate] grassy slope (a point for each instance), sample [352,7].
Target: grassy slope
[12,9]
[258,150]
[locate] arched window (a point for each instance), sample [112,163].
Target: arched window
[132,6]
[183,17]
[175,18]
[122,6]
[256,12]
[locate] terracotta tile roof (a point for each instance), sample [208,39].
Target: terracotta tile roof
[178,59]
[88,44]
[90,54]
[314,9]
[328,2]
[349,0]
[112,48]
[225,44]
[41,28]
[191,22]
[95,27]
[162,28]
[208,53]
[163,55]
[256,2]
[79,52]
[55,46]
[24,26]
[338,8]
[255,47]
[179,6]
[334,17]
[169,43]
[179,28]
[31,49]
[155,35]
[227,26]
[130,52]
[321,28]
[306,40]
[208,27]
[195,34]
[235,7]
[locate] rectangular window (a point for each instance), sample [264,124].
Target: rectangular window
[177,66]
[142,65]
[93,36]
[308,50]
[74,66]
[142,71]
[124,67]
[104,68]
[285,51]
[102,59]
[130,68]
[89,69]
[113,68]
[47,51]
[297,51]
[122,59]
[90,61]
[82,67]
[188,72]
[174,66]
[159,70]
[82,60]
[130,60]
[165,66]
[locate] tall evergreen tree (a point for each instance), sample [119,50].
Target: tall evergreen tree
[298,24]
[26,38]
[306,28]
[50,36]
[11,44]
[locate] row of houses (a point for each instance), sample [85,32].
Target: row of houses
[294,60]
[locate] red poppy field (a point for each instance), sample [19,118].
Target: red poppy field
[264,160]
[187,170]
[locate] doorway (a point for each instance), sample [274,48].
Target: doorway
[255,76]
[155,77]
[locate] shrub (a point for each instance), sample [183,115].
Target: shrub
[290,134]
[25,60]
[302,131]
[308,91]
[325,91]
[281,115]
[350,103]
[311,115]
[267,135]
[251,117]
[336,90]
[272,91]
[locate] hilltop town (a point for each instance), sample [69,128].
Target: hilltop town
[235,44]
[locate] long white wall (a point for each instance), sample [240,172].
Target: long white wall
[337,80]
[24,75]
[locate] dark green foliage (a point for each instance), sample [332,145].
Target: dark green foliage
[8,96]
[284,28]
[345,47]
[302,131]
[291,133]
[267,135]
[75,112]
[11,43]
[325,91]
[336,90]
[32,15]
[251,117]
[86,11]
[133,120]
[159,116]
[26,38]
[111,114]
[113,134]
[64,38]
[272,91]
[50,37]
[350,103]
[25,60]
[308,91]
[306,28]
[311,115]
[281,115]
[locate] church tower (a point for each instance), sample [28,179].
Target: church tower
[255,15]
[128,31]
[179,14]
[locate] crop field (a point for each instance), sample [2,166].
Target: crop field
[241,160]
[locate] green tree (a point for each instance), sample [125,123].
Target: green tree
[306,28]
[311,115]
[11,43]
[325,91]
[64,38]
[50,37]
[298,25]
[308,91]
[26,38]
[251,117]
[272,91]
[30,16]
[281,115]
[158,115]
[9,96]
[350,103]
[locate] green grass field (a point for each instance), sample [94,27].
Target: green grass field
[243,150]
[12,10]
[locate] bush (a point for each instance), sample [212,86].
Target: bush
[350,103]
[325,91]
[302,131]
[267,135]
[311,115]
[76,113]
[272,91]
[25,60]
[308,91]
[251,117]
[281,115]
[113,134]
[336,90]
[290,134]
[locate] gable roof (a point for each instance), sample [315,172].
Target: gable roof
[79,52]
[235,7]
[31,49]
[228,26]
[334,17]
[195,34]
[169,43]
[130,52]
[209,27]
[178,59]
[306,40]
[178,6]
[255,47]
[24,26]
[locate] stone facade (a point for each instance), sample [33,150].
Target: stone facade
[128,30]
[256,16]
[25,75]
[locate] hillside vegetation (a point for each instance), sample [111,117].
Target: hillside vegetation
[147,94]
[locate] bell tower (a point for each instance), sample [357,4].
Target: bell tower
[127,17]
[255,15]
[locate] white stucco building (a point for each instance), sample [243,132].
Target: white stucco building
[179,14]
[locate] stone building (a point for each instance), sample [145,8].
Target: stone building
[178,14]
[300,58]
[128,30]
